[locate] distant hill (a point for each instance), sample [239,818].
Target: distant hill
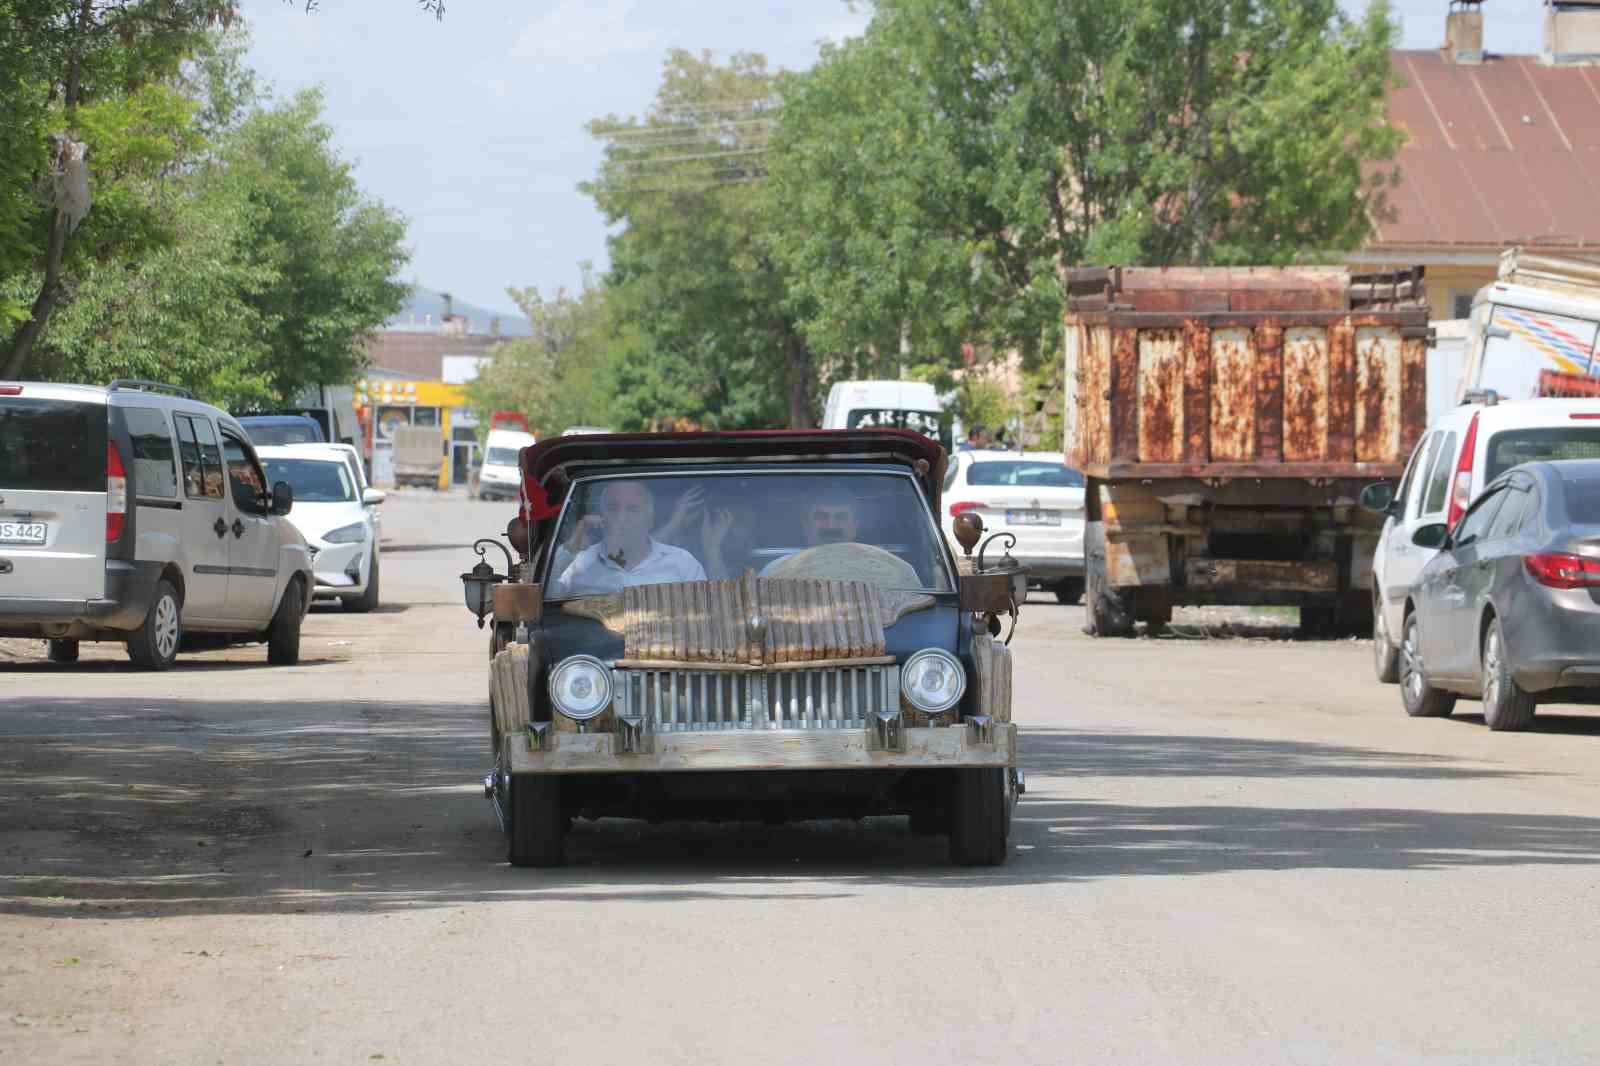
[423,312]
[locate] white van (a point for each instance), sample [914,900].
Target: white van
[885,405]
[1535,329]
[136,513]
[500,476]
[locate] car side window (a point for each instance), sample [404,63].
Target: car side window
[1513,513]
[1476,522]
[245,478]
[1439,476]
[199,479]
[1408,482]
[155,471]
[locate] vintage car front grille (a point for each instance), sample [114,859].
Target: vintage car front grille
[691,701]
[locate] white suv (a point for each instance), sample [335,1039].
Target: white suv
[1463,451]
[135,513]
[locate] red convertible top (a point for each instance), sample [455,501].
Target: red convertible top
[546,465]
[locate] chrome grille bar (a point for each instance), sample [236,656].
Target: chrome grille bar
[837,697]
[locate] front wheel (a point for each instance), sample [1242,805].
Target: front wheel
[1069,590]
[1385,656]
[368,600]
[1421,699]
[538,824]
[1505,705]
[283,636]
[154,645]
[63,651]
[981,819]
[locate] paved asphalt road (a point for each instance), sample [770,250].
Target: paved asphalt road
[1233,850]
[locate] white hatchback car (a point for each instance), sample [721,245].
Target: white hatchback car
[1463,451]
[1033,495]
[335,515]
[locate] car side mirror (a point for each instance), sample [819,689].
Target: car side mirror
[1432,535]
[373,497]
[282,498]
[1378,497]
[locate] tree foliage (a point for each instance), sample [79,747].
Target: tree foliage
[933,176]
[562,374]
[710,340]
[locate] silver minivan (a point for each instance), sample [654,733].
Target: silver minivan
[135,513]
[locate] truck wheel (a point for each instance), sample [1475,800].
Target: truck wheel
[1153,608]
[63,651]
[1421,699]
[154,645]
[1319,621]
[981,818]
[1505,706]
[538,825]
[1385,656]
[1109,614]
[283,636]
[1068,590]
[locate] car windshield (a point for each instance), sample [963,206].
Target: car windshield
[645,530]
[271,433]
[501,457]
[313,480]
[1516,446]
[1024,474]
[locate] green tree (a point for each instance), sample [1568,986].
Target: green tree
[937,173]
[710,340]
[89,117]
[561,375]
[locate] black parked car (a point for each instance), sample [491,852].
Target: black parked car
[1509,610]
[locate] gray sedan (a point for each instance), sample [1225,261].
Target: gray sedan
[1508,612]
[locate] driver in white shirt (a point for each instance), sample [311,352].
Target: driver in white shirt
[627,554]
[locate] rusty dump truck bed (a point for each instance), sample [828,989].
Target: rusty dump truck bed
[1306,372]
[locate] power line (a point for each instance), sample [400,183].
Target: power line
[684,158]
[650,131]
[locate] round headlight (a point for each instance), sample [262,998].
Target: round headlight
[933,680]
[580,687]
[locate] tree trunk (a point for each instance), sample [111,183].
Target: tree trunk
[55,251]
[798,357]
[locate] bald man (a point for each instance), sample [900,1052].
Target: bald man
[627,554]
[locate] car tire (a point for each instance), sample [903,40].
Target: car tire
[1069,590]
[1420,699]
[1319,622]
[368,600]
[1506,707]
[538,824]
[981,817]
[62,651]
[1385,656]
[1109,611]
[283,636]
[154,645]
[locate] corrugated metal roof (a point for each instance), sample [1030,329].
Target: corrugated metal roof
[1507,152]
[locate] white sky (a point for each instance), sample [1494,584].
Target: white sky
[473,126]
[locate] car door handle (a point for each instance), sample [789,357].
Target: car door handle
[238,529]
[221,527]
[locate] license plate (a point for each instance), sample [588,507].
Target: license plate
[1033,518]
[22,532]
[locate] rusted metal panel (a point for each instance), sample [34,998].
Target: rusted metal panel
[1095,397]
[1268,338]
[1341,392]
[1413,391]
[1377,398]
[1124,395]
[1196,392]
[1305,394]
[1233,395]
[1263,574]
[1160,396]
[1138,560]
